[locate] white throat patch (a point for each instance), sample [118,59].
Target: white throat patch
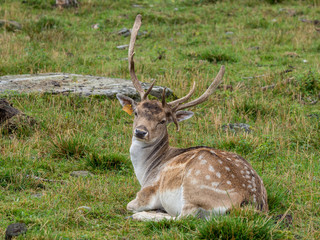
[139,151]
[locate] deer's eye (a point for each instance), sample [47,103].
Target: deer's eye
[163,122]
[135,114]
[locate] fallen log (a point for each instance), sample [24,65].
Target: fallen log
[12,118]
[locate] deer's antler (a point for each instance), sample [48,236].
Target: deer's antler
[135,81]
[177,104]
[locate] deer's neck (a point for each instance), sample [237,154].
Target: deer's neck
[147,158]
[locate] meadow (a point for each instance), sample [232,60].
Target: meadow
[271,53]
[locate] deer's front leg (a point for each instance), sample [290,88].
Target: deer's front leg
[147,199]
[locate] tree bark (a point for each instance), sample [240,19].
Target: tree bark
[11,118]
[7,111]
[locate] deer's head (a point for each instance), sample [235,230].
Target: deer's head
[152,116]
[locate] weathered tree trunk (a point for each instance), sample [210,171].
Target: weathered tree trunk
[67,3]
[11,118]
[7,111]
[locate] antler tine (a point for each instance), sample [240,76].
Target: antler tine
[145,96]
[134,33]
[163,100]
[175,103]
[207,93]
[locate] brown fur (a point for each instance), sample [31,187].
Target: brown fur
[205,178]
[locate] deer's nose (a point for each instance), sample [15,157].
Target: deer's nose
[140,133]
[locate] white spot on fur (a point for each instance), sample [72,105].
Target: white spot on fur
[254,198]
[245,167]
[220,161]
[237,164]
[242,172]
[227,168]
[253,189]
[228,182]
[247,172]
[229,159]
[218,175]
[232,176]
[194,181]
[215,184]
[211,169]
[200,157]
[213,189]
[207,177]
[252,171]
[247,176]
[249,186]
[197,172]
[203,162]
[189,173]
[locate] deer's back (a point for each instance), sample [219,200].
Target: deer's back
[210,179]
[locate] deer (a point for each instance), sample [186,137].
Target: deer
[199,181]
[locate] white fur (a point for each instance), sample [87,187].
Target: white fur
[219,210]
[139,151]
[172,201]
[213,189]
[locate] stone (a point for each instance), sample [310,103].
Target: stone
[95,26]
[229,33]
[236,127]
[66,3]
[15,229]
[254,48]
[122,47]
[124,32]
[65,83]
[10,25]
[151,216]
[37,195]
[80,174]
[137,6]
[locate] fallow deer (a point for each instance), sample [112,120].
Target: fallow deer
[193,181]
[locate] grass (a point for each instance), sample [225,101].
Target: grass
[185,41]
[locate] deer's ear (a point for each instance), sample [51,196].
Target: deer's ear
[127,103]
[183,115]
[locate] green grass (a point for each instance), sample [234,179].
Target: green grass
[92,133]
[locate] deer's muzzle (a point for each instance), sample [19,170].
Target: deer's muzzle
[141,132]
